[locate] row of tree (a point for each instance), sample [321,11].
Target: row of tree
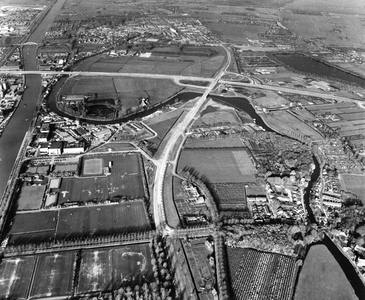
[89,241]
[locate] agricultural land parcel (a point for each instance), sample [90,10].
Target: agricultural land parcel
[128,90]
[158,63]
[261,275]
[219,165]
[304,18]
[322,277]
[352,119]
[354,184]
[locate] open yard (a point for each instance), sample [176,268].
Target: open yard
[54,274]
[15,277]
[322,277]
[106,269]
[125,179]
[261,275]
[99,220]
[218,165]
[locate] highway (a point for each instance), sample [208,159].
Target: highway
[177,78]
[176,132]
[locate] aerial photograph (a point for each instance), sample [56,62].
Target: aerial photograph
[182,149]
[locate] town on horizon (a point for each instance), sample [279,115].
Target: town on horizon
[198,150]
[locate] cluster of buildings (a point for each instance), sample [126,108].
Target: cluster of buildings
[215,131]
[11,89]
[333,151]
[16,20]
[57,135]
[192,206]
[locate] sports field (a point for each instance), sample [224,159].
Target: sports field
[15,276]
[125,179]
[54,274]
[33,227]
[31,197]
[219,165]
[106,269]
[98,220]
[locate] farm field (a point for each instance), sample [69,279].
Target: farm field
[354,184]
[229,196]
[15,277]
[284,122]
[158,63]
[235,33]
[99,220]
[318,26]
[261,275]
[128,90]
[53,274]
[321,277]
[125,179]
[106,269]
[218,165]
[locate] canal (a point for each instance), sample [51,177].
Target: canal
[13,135]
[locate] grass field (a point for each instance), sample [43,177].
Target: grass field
[92,166]
[284,122]
[354,184]
[219,165]
[106,269]
[54,275]
[260,275]
[106,219]
[31,197]
[322,277]
[15,276]
[125,179]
